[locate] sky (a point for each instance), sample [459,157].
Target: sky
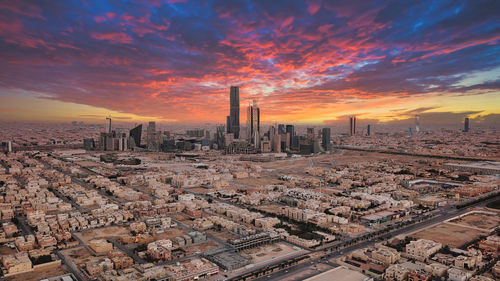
[305,62]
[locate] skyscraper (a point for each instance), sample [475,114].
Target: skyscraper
[136,134]
[233,120]
[253,124]
[291,129]
[108,125]
[281,129]
[417,123]
[368,130]
[325,138]
[352,125]
[466,124]
[150,135]
[219,136]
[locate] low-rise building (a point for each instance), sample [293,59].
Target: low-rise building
[422,248]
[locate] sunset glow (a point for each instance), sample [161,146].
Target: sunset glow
[303,61]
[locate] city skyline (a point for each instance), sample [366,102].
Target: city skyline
[304,62]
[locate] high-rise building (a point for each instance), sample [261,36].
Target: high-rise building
[106,141]
[253,124]
[291,130]
[151,135]
[108,125]
[352,125]
[417,123]
[466,124]
[310,133]
[88,144]
[136,134]
[219,136]
[281,129]
[368,130]
[122,142]
[233,120]
[325,138]
[277,143]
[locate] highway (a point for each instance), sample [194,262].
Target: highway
[336,251]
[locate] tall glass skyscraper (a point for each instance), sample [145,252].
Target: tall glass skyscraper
[233,120]
[253,124]
[136,134]
[352,125]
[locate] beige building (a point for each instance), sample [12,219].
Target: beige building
[100,246]
[16,263]
[396,272]
[422,248]
[385,255]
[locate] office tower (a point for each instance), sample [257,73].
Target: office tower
[409,131]
[281,129]
[9,146]
[265,146]
[233,120]
[325,138]
[270,134]
[466,124]
[136,134]
[207,134]
[368,130]
[88,144]
[310,133]
[417,123]
[219,136]
[228,139]
[106,141]
[150,135]
[108,125]
[277,143]
[122,142]
[253,124]
[352,125]
[290,129]
[285,141]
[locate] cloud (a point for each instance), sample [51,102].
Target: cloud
[116,38]
[302,60]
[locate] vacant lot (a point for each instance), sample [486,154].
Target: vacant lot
[448,234]
[479,220]
[269,252]
[38,275]
[103,233]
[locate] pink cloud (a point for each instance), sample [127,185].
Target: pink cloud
[117,37]
[313,6]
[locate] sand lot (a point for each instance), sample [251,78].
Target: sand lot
[480,221]
[449,234]
[269,252]
[107,232]
[38,275]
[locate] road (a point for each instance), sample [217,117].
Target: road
[72,267]
[336,252]
[126,250]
